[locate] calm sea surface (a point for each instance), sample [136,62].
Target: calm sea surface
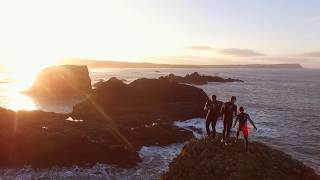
[284,104]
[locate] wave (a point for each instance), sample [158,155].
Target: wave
[155,160]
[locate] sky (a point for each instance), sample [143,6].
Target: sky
[36,33]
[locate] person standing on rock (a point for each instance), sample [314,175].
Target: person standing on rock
[213,112]
[243,118]
[228,111]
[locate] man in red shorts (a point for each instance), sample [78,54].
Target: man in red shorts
[243,118]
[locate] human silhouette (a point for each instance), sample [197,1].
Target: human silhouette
[243,118]
[213,108]
[228,111]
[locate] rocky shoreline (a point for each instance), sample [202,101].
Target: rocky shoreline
[111,125]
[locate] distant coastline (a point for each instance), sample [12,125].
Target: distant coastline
[118,64]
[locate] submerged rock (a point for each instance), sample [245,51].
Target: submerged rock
[210,159]
[196,78]
[61,82]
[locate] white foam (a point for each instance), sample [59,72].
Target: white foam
[155,160]
[191,125]
[197,126]
[74,120]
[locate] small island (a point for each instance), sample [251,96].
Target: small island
[197,79]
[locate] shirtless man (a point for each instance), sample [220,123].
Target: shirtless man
[213,112]
[228,111]
[243,118]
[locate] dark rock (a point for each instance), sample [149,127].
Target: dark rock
[210,159]
[150,96]
[43,139]
[142,103]
[61,82]
[196,78]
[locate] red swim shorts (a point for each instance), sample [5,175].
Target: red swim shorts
[245,131]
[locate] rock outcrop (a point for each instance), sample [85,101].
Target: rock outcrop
[210,159]
[159,97]
[197,79]
[62,82]
[144,110]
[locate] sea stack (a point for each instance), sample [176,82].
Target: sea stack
[65,81]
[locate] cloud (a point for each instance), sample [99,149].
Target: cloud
[227,51]
[314,21]
[240,52]
[201,48]
[313,54]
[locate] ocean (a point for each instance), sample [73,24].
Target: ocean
[284,104]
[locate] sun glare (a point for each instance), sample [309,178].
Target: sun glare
[21,76]
[24,74]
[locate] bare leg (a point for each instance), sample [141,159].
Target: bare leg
[237,137]
[213,125]
[246,143]
[208,121]
[224,130]
[229,124]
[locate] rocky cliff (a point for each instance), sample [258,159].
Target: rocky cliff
[61,82]
[210,159]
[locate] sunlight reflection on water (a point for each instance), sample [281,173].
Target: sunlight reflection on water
[19,101]
[11,96]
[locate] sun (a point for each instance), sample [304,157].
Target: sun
[24,73]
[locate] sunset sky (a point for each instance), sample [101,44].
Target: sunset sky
[36,33]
